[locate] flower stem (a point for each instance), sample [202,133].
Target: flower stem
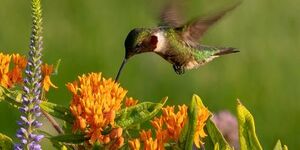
[53,122]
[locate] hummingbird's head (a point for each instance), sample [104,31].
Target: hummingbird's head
[140,40]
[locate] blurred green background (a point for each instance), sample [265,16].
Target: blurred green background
[88,36]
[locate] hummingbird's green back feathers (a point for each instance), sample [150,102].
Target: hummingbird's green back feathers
[204,54]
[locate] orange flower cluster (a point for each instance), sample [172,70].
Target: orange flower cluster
[168,127]
[134,144]
[47,71]
[130,102]
[203,115]
[8,77]
[94,105]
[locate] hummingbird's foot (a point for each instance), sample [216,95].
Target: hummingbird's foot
[179,69]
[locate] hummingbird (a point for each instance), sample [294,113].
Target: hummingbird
[176,42]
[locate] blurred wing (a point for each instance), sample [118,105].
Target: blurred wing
[195,29]
[171,14]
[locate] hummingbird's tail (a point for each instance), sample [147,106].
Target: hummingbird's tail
[225,51]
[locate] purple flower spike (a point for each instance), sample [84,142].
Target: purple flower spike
[31,98]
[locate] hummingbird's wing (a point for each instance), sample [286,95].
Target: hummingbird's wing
[171,14]
[194,30]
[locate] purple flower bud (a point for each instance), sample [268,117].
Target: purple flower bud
[36,91]
[30,64]
[23,141]
[26,89]
[24,119]
[37,124]
[17,147]
[37,114]
[25,102]
[38,138]
[35,146]
[26,81]
[39,62]
[20,123]
[19,136]
[24,97]
[22,131]
[32,136]
[23,109]
[36,98]
[36,108]
[37,84]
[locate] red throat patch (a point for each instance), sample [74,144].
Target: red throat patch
[153,41]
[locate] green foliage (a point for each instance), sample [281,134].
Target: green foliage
[138,114]
[247,136]
[192,114]
[13,97]
[143,112]
[56,67]
[57,111]
[69,138]
[64,147]
[278,146]
[216,136]
[5,142]
[217,147]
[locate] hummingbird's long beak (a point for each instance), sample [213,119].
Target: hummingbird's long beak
[120,70]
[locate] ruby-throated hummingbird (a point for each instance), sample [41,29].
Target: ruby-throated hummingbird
[176,42]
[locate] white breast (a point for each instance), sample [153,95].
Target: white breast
[161,42]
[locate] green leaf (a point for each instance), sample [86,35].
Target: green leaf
[192,114]
[217,147]
[58,111]
[69,138]
[5,142]
[55,72]
[247,136]
[278,146]
[215,135]
[64,147]
[208,143]
[97,146]
[138,114]
[2,94]
[11,96]
[183,135]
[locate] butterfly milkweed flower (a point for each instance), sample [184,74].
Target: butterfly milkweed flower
[47,70]
[4,68]
[9,76]
[202,116]
[168,128]
[130,102]
[94,105]
[134,144]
